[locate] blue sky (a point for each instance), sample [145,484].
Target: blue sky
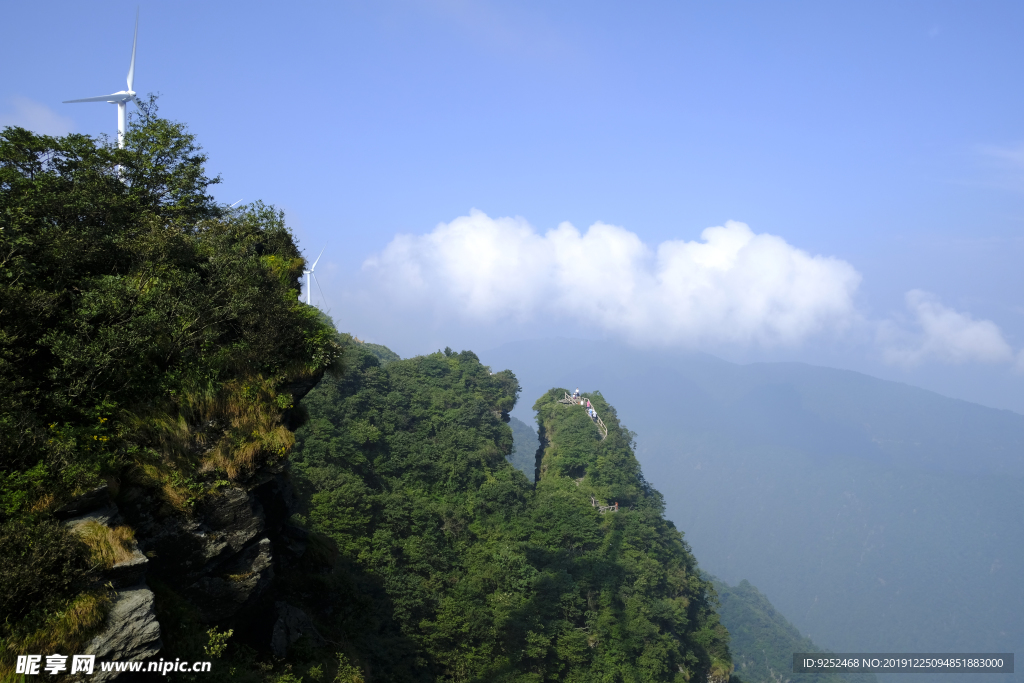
[881,144]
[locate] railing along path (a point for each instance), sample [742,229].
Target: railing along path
[580,401]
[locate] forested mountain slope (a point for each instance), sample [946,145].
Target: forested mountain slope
[763,641]
[462,570]
[876,516]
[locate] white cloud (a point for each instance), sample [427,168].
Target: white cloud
[944,334]
[36,117]
[732,286]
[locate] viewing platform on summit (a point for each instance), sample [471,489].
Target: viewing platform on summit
[576,399]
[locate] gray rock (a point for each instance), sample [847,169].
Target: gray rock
[90,500]
[194,546]
[131,632]
[292,623]
[128,573]
[234,519]
[220,597]
[106,515]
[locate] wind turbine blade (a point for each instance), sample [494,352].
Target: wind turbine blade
[131,69]
[114,97]
[233,205]
[317,259]
[322,297]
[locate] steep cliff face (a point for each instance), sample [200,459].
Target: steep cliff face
[219,558]
[218,563]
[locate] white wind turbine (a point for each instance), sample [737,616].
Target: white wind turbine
[120,98]
[311,278]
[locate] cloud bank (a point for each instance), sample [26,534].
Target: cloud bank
[731,286]
[946,335]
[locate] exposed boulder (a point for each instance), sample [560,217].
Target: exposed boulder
[129,572]
[131,631]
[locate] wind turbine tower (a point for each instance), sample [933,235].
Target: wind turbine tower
[310,278]
[122,97]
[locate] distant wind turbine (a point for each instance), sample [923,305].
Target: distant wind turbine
[311,278]
[235,204]
[122,97]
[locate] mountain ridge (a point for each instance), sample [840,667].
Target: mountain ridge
[776,473]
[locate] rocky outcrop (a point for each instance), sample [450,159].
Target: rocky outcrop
[123,574]
[130,633]
[221,596]
[128,573]
[231,519]
[186,548]
[221,557]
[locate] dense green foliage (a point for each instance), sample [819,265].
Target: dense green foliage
[649,612]
[524,447]
[145,333]
[40,564]
[453,567]
[403,468]
[381,353]
[763,641]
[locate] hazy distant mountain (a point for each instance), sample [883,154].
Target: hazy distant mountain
[763,641]
[875,515]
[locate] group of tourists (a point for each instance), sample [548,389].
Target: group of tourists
[585,402]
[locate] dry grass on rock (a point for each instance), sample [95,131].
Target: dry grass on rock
[107,545]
